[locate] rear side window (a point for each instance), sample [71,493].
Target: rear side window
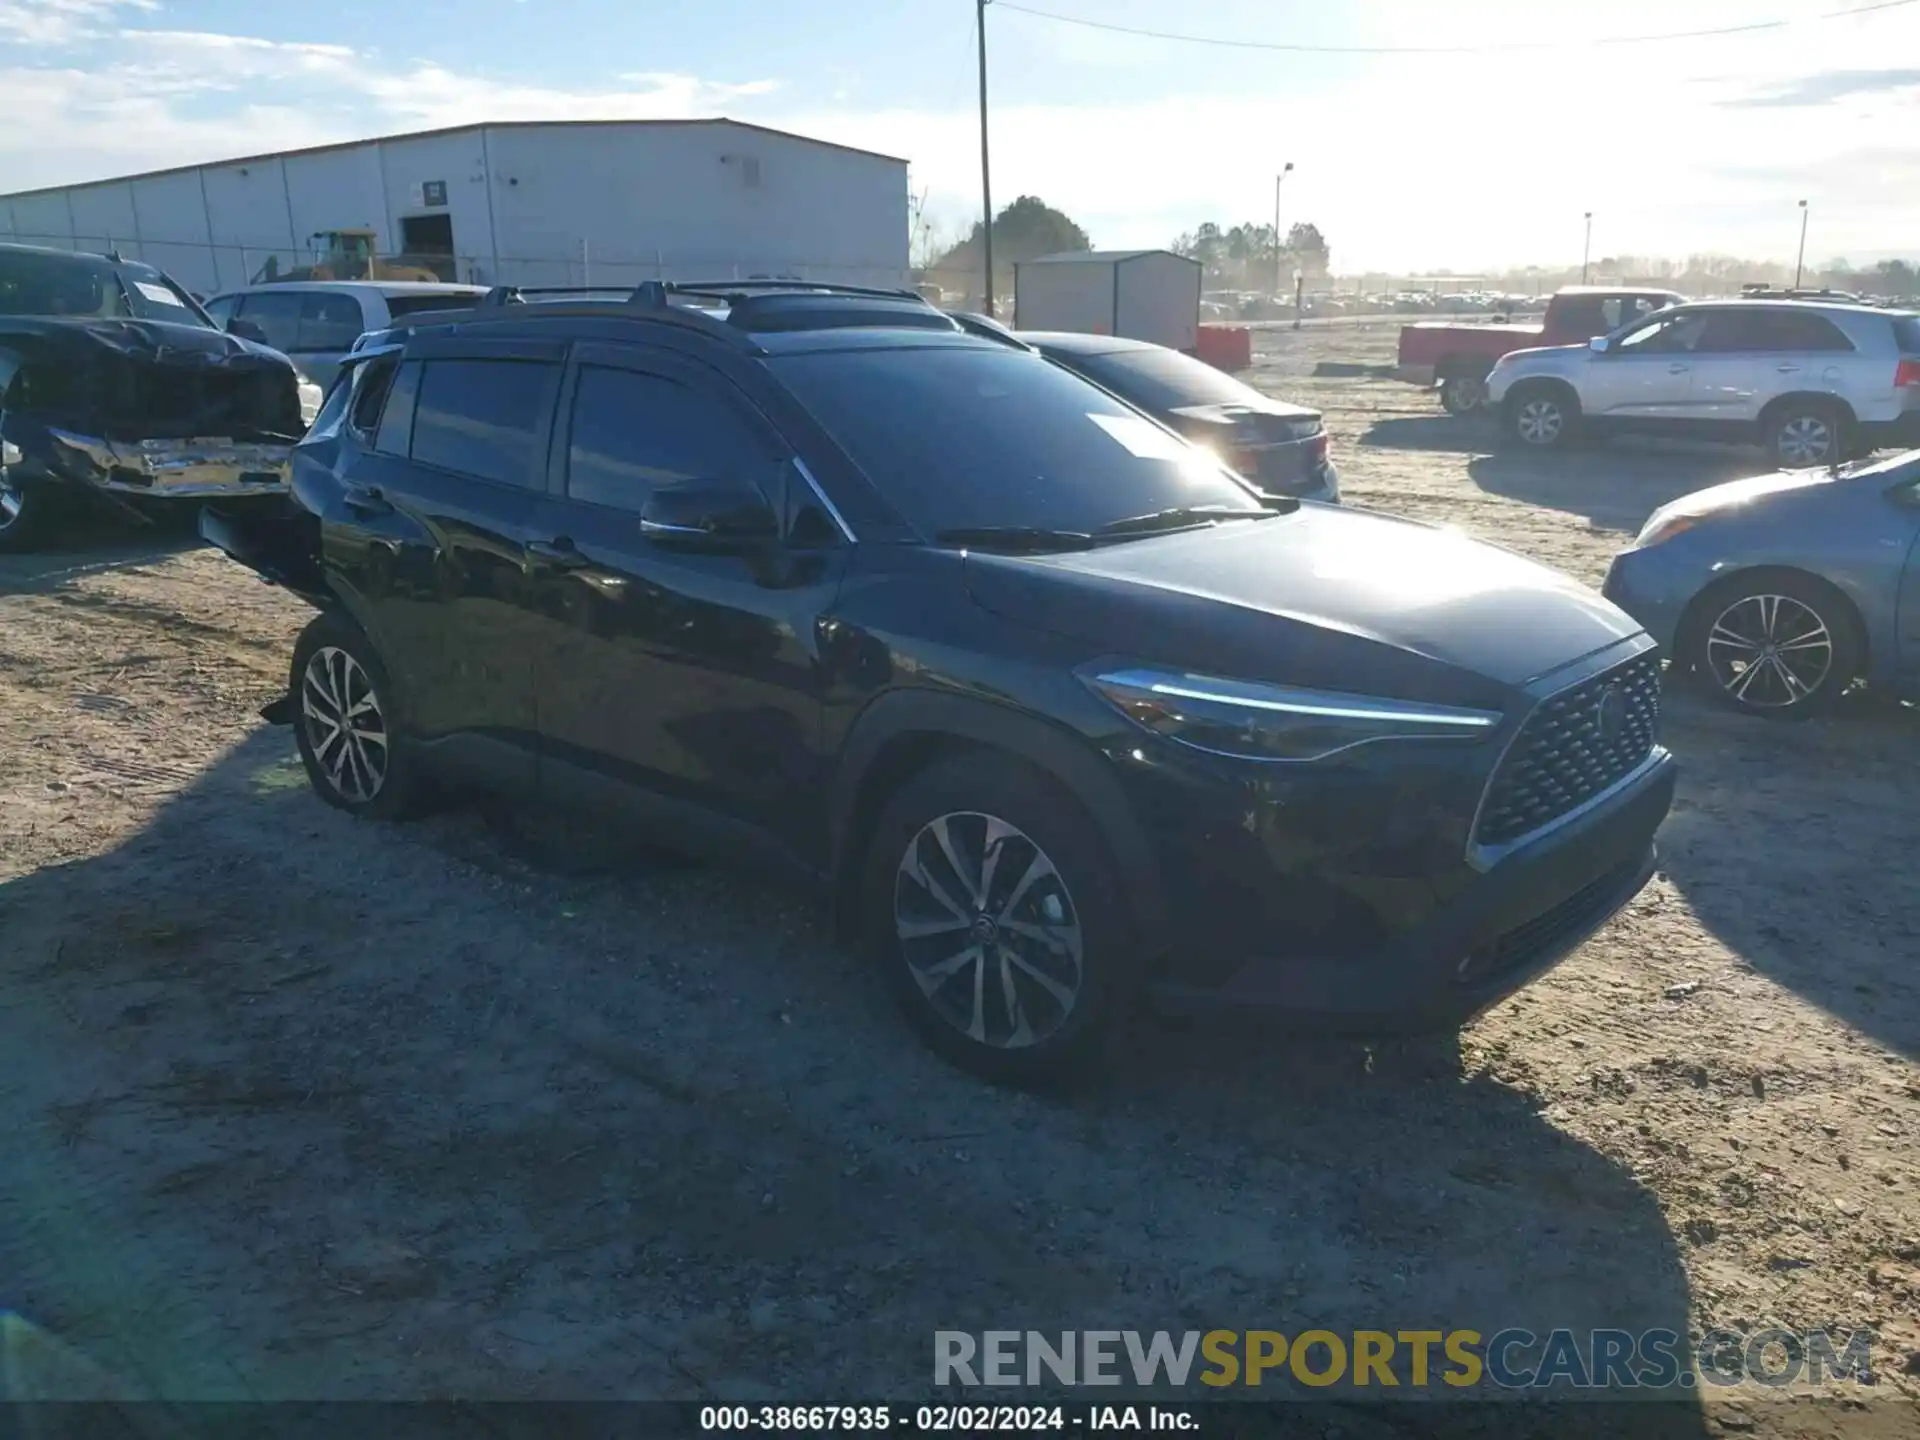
[484,418]
[398,305]
[328,322]
[395,435]
[277,315]
[1799,330]
[633,431]
[1906,334]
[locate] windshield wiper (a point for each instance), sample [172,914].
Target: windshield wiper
[1180,517]
[1028,539]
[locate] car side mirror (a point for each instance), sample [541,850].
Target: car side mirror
[719,515]
[1598,344]
[247,330]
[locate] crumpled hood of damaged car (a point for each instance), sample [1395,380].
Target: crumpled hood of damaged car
[159,341]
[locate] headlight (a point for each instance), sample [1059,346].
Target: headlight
[311,399]
[1664,524]
[1257,721]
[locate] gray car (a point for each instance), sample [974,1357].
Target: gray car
[1780,591]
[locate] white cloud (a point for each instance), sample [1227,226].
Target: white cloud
[61,22]
[1460,163]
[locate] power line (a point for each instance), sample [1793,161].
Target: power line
[1225,44]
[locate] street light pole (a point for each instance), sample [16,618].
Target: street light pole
[1586,249]
[1279,251]
[1800,264]
[986,172]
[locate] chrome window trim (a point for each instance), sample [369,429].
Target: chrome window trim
[820,494]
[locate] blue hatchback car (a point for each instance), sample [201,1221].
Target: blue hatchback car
[1781,590]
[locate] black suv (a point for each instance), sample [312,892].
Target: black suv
[1055,706]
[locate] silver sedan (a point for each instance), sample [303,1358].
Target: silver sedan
[1780,591]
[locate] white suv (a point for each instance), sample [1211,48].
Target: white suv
[315,322]
[1813,383]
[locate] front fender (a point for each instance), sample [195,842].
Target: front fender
[904,717]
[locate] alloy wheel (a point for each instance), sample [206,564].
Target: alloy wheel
[346,729]
[988,930]
[12,502]
[1769,651]
[1805,440]
[1540,421]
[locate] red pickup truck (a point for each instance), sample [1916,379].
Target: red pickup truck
[1456,355]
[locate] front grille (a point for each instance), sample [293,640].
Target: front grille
[1585,909]
[1567,752]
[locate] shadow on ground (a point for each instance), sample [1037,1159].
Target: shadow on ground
[52,569]
[1826,809]
[302,1108]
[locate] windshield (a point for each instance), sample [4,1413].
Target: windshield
[1164,379]
[86,286]
[963,439]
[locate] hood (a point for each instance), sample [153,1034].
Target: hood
[1324,596]
[156,340]
[1544,352]
[1736,493]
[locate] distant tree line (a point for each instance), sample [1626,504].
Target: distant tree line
[1246,257]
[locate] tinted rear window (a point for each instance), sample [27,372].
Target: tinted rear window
[1163,379]
[1906,333]
[963,438]
[398,305]
[484,417]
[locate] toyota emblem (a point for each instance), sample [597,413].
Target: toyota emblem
[1610,714]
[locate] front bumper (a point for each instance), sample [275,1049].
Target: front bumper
[1652,587]
[1524,915]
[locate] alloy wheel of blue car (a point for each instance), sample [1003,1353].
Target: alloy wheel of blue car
[1770,652]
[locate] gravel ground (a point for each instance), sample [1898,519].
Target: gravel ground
[482,1106]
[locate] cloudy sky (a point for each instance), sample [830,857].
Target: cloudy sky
[1463,135]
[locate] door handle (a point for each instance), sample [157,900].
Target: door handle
[366,500]
[1676,369]
[1788,369]
[560,552]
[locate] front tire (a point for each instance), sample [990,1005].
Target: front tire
[343,721]
[995,913]
[26,517]
[1462,394]
[1776,644]
[1542,417]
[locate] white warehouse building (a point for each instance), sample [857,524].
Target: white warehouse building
[523,202]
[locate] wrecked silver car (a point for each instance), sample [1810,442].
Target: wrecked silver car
[117,390]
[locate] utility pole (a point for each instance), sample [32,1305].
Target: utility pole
[986,168]
[1586,249]
[1801,263]
[1279,250]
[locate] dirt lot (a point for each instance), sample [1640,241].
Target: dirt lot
[296,1107]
